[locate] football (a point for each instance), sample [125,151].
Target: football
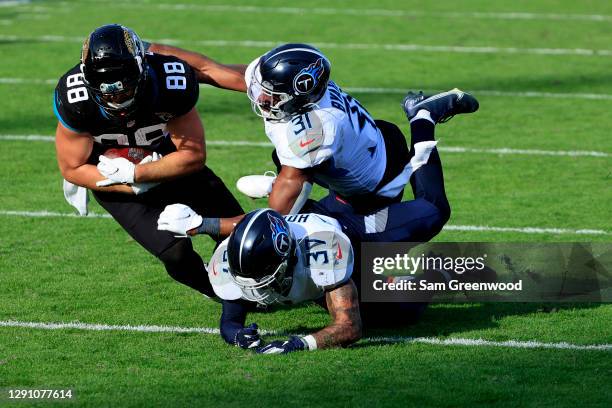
[133,154]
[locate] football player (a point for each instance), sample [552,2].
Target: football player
[322,134]
[241,272]
[119,96]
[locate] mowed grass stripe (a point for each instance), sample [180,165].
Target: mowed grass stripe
[583,52]
[394,339]
[474,228]
[391,91]
[331,11]
[445,149]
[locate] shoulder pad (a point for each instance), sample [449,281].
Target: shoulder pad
[218,273]
[72,103]
[176,83]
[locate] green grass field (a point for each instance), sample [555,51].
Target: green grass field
[544,83]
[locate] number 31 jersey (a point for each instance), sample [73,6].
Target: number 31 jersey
[170,90]
[324,261]
[338,138]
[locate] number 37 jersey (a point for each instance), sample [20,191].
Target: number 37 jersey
[325,261]
[170,90]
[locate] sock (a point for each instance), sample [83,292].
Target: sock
[421,128]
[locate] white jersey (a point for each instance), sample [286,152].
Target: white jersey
[325,260]
[338,131]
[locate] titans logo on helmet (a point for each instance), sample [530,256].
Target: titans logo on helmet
[280,236]
[306,80]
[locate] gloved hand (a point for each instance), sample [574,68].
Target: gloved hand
[140,188]
[248,337]
[294,343]
[178,218]
[116,171]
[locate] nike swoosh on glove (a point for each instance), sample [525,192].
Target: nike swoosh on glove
[248,337]
[178,218]
[116,171]
[283,346]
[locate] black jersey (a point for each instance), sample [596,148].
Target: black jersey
[170,90]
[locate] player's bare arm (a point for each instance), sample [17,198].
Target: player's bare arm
[73,150]
[343,306]
[287,188]
[208,70]
[187,134]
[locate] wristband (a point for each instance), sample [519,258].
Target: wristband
[210,226]
[310,342]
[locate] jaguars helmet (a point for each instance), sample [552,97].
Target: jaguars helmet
[288,80]
[262,253]
[114,66]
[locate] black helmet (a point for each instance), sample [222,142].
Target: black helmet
[262,253]
[114,67]
[289,79]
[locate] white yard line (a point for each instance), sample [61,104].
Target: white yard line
[391,91]
[397,339]
[445,149]
[330,11]
[583,52]
[481,228]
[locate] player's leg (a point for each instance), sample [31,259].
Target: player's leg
[139,219]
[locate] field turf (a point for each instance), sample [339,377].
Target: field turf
[541,71]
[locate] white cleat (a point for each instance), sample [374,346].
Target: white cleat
[256,186]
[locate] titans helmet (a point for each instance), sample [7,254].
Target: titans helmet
[288,80]
[262,254]
[114,68]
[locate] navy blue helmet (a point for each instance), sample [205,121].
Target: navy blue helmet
[288,80]
[262,253]
[114,68]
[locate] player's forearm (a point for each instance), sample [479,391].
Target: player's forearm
[284,193]
[172,166]
[208,71]
[216,227]
[87,175]
[343,306]
[337,335]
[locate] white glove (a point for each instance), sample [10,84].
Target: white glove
[178,218]
[116,171]
[140,188]
[256,186]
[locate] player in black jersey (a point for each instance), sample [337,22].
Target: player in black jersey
[121,96]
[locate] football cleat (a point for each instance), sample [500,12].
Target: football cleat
[442,107]
[256,186]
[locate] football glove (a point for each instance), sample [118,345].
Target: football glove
[256,186]
[116,171]
[294,343]
[140,188]
[248,337]
[178,218]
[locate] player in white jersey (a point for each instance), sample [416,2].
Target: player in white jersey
[269,259]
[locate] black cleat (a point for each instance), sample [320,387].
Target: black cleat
[442,107]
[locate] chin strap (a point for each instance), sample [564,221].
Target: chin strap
[301,200]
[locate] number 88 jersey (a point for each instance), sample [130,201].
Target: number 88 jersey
[170,90]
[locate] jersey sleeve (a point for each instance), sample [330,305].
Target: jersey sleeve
[70,100]
[309,139]
[178,85]
[332,265]
[218,273]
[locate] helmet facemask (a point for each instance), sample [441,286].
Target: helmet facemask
[266,102]
[269,288]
